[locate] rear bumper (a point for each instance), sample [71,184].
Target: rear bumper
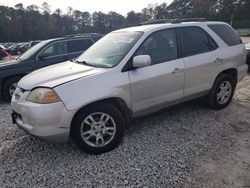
[50,122]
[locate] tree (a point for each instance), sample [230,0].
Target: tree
[46,8]
[132,18]
[115,21]
[19,6]
[32,23]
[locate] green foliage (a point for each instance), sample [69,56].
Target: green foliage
[34,22]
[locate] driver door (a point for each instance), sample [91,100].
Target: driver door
[54,53]
[161,83]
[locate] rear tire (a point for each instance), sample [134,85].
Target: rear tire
[98,128]
[222,92]
[9,88]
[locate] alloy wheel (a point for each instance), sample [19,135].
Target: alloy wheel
[224,93]
[98,129]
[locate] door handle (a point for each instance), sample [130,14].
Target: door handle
[177,70]
[218,60]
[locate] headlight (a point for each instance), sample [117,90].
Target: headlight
[43,96]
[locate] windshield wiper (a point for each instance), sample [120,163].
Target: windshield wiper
[84,63]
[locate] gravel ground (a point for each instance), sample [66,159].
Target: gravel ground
[187,145]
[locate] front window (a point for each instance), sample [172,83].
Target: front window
[32,51]
[58,48]
[110,50]
[160,46]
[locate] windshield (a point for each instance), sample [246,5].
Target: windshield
[32,50]
[109,50]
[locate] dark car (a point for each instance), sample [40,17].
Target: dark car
[43,54]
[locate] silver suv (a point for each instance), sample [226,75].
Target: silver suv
[128,73]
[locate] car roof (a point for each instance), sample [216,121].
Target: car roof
[70,38]
[146,28]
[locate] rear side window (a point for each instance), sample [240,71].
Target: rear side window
[226,33]
[196,41]
[79,45]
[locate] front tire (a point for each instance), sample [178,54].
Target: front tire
[9,88]
[222,92]
[98,128]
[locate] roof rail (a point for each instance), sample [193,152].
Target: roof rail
[85,35]
[173,21]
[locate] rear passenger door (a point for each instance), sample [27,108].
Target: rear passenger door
[77,47]
[200,55]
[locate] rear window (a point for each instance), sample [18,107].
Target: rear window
[226,33]
[79,45]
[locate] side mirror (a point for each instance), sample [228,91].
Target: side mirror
[141,61]
[42,56]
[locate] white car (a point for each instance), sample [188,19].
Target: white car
[128,73]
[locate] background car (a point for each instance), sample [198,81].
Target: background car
[43,54]
[15,49]
[23,48]
[7,44]
[3,52]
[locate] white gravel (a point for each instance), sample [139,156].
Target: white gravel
[171,148]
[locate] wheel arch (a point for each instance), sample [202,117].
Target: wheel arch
[5,79]
[230,71]
[11,76]
[119,103]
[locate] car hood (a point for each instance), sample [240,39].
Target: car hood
[58,74]
[9,63]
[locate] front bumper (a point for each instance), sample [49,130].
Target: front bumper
[47,121]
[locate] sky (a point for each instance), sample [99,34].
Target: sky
[120,6]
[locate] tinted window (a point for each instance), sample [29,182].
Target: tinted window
[196,41]
[227,34]
[58,48]
[33,50]
[79,45]
[160,46]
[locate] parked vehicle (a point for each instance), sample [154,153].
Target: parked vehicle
[7,44]
[3,52]
[41,55]
[129,73]
[23,48]
[15,49]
